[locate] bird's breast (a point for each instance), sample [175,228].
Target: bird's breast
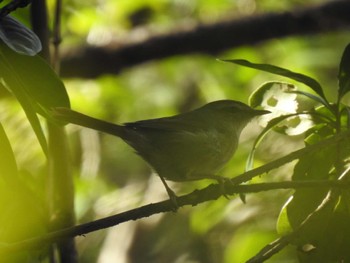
[223,145]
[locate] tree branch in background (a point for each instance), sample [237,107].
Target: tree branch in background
[90,62]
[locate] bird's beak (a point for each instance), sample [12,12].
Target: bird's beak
[262,112]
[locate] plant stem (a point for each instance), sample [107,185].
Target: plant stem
[60,187]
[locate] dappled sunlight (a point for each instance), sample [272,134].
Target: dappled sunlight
[84,145]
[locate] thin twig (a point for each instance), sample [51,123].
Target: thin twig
[288,158]
[12,6]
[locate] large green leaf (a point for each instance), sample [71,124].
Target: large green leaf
[325,237]
[34,84]
[311,167]
[310,82]
[17,88]
[8,165]
[22,215]
[344,73]
[39,81]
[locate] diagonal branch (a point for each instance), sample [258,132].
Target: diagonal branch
[194,198]
[212,192]
[90,62]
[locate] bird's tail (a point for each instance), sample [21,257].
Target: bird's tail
[70,116]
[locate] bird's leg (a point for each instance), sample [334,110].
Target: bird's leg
[171,194]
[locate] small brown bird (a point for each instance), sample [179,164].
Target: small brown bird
[188,146]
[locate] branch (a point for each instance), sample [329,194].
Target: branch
[289,158]
[12,6]
[212,192]
[90,62]
[198,196]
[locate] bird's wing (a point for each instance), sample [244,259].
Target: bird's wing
[177,123]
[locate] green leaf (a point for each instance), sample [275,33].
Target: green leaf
[316,166]
[271,124]
[313,97]
[344,73]
[276,88]
[38,79]
[283,226]
[16,85]
[22,215]
[8,165]
[35,85]
[308,81]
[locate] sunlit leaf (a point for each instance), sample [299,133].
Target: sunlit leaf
[8,165]
[271,125]
[16,85]
[18,37]
[280,99]
[275,97]
[308,81]
[344,73]
[37,78]
[260,96]
[283,226]
[22,215]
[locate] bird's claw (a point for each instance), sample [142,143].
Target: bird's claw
[172,199]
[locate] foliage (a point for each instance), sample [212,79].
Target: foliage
[110,178]
[320,213]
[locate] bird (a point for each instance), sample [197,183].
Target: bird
[189,146]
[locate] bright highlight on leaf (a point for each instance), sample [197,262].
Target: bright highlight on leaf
[18,37]
[281,99]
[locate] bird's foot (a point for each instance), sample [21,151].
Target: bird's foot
[173,199]
[223,181]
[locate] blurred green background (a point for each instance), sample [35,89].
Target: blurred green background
[110,178]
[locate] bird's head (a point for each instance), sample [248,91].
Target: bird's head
[229,115]
[233,108]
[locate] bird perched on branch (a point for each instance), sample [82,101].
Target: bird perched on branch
[189,146]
